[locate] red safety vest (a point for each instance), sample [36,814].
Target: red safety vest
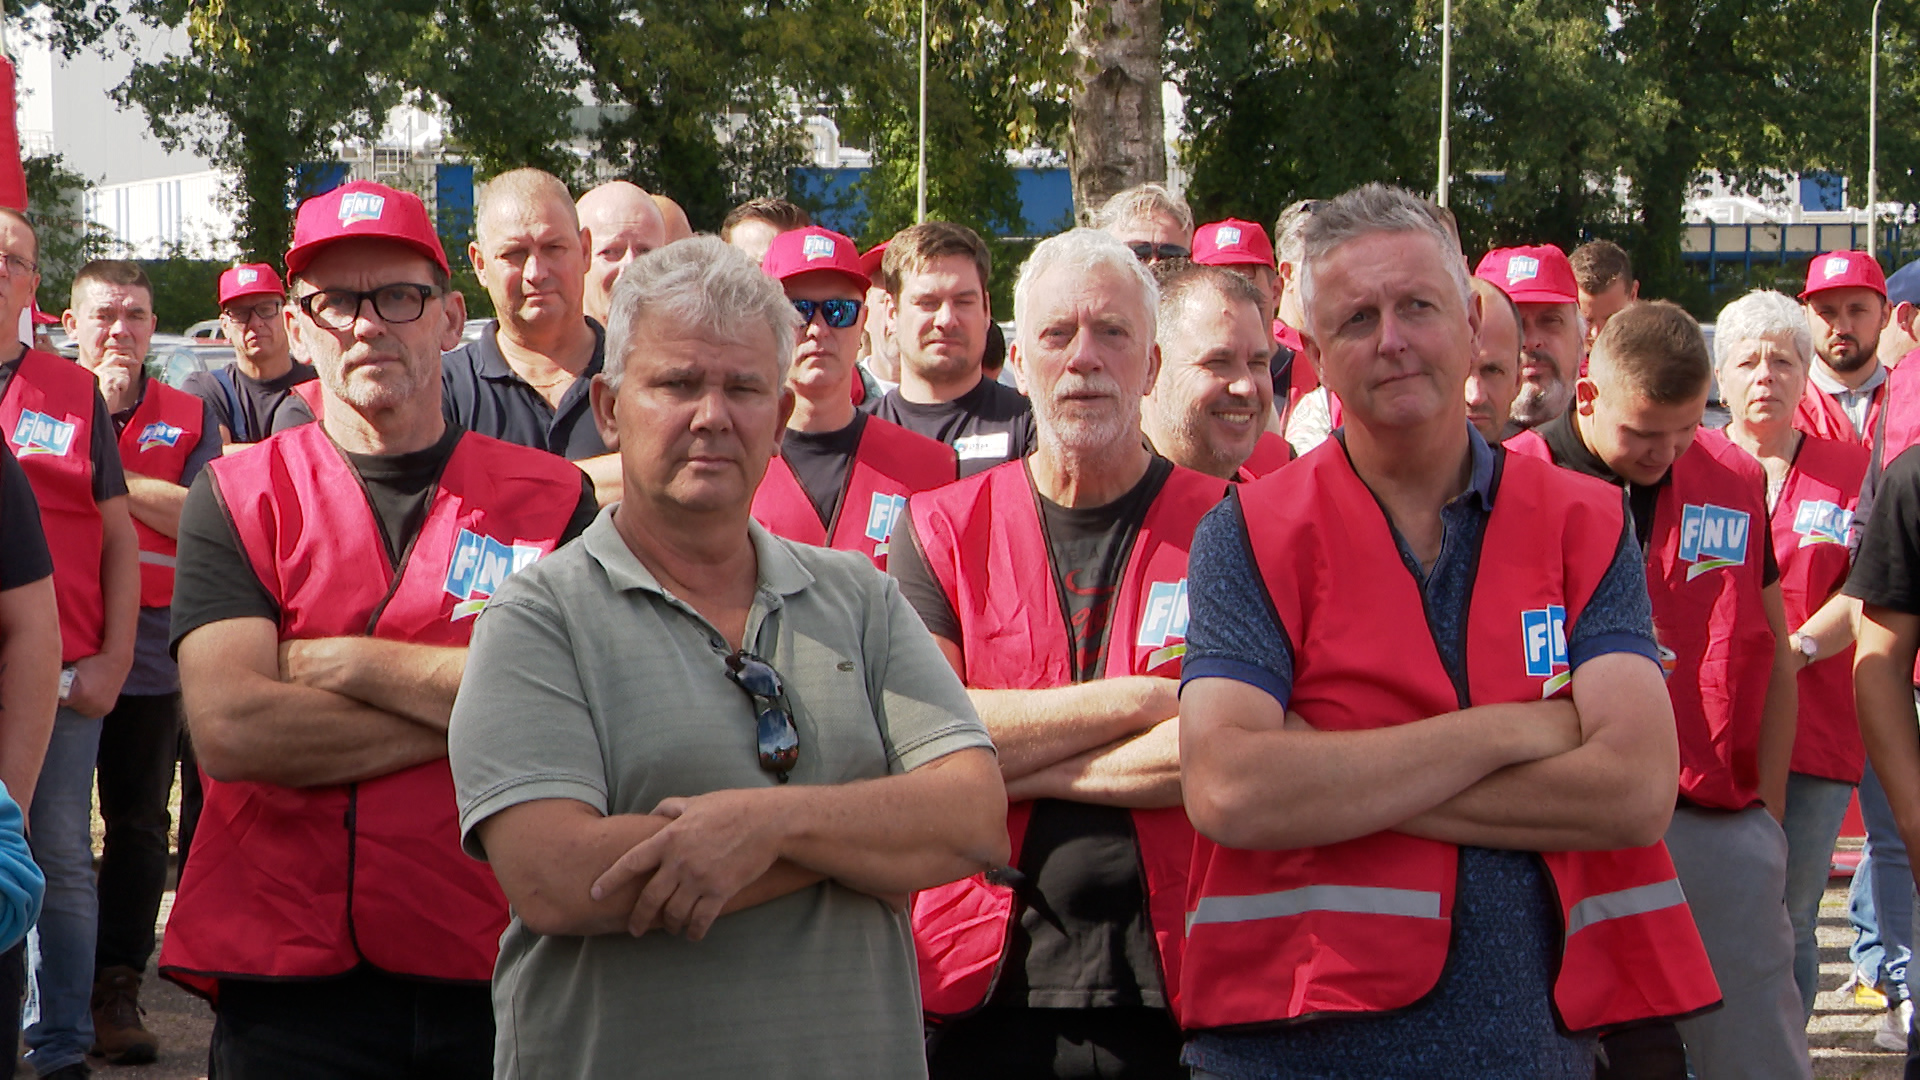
[1819,414]
[1364,926]
[1902,395]
[1270,451]
[1704,573]
[983,542]
[165,429]
[302,883]
[890,464]
[47,414]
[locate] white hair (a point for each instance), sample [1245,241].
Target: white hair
[1080,252]
[1139,201]
[1760,314]
[703,283]
[1370,209]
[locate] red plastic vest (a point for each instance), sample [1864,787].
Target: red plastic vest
[1270,452]
[1902,395]
[1704,573]
[1820,415]
[1810,525]
[890,464]
[166,427]
[47,414]
[984,544]
[1365,925]
[306,883]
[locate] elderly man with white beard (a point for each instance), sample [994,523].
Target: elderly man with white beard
[1056,587]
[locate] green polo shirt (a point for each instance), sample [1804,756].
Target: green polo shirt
[588,681]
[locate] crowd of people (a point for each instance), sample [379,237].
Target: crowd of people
[1292,654]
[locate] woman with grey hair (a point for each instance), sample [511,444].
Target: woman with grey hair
[1762,350]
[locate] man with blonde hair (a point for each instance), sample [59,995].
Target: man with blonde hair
[1153,222]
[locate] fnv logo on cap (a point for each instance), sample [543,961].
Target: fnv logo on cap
[246,275]
[1227,236]
[816,246]
[361,206]
[1522,268]
[1836,265]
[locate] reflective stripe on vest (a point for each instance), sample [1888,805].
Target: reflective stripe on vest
[1346,899]
[1638,900]
[154,558]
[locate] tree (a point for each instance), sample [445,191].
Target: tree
[1117,134]
[506,88]
[66,238]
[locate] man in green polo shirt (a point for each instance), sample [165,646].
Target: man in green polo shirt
[707,765]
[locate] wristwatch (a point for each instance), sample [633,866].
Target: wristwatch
[1805,646]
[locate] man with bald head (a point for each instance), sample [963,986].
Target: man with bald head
[678,227]
[621,222]
[1494,379]
[524,380]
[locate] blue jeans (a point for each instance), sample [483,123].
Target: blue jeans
[1880,900]
[63,846]
[1815,808]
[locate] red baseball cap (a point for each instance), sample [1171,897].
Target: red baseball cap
[249,279]
[870,262]
[1232,243]
[802,251]
[363,209]
[1844,269]
[1531,275]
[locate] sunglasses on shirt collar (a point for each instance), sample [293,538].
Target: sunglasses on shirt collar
[775,733]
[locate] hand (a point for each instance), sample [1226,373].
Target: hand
[309,661]
[118,377]
[96,683]
[716,845]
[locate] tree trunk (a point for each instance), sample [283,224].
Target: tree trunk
[1116,130]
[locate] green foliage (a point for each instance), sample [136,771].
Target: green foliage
[184,289]
[67,239]
[507,94]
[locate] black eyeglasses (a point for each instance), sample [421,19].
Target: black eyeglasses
[1151,253]
[839,314]
[336,309]
[774,730]
[264,311]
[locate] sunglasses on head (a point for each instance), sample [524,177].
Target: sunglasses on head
[774,730]
[839,314]
[1147,253]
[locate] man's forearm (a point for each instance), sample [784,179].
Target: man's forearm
[1884,698]
[418,682]
[1832,627]
[1138,772]
[1033,729]
[156,503]
[296,736]
[29,684]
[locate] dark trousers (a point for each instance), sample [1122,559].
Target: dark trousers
[192,797]
[13,998]
[138,744]
[1654,1052]
[366,1025]
[1057,1044]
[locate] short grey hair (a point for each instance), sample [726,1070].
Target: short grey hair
[1287,230]
[1761,314]
[701,283]
[1192,280]
[1370,209]
[1139,201]
[1080,252]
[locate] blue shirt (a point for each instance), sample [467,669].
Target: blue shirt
[1490,1014]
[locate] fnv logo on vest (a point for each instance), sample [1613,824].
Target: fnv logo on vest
[816,247]
[38,433]
[480,566]
[1712,537]
[1543,634]
[1820,522]
[160,433]
[882,513]
[1227,236]
[1522,268]
[1163,622]
[361,206]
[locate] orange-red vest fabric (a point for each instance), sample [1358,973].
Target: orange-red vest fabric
[47,414]
[890,464]
[302,883]
[984,543]
[1364,926]
[166,428]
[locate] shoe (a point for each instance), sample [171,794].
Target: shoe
[118,1034]
[1891,1032]
[1865,994]
[79,1070]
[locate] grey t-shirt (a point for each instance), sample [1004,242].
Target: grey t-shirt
[587,681]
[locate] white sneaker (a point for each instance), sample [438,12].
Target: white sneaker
[1891,1032]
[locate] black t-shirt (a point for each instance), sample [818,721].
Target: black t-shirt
[480,392]
[1570,451]
[252,409]
[24,558]
[1886,573]
[109,477]
[214,581]
[821,461]
[985,426]
[1083,940]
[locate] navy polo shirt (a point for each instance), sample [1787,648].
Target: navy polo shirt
[480,392]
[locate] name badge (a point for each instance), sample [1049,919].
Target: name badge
[990,445]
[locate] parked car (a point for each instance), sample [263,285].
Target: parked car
[173,357]
[473,330]
[207,331]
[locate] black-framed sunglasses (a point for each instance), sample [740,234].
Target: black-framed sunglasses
[839,314]
[1152,253]
[777,736]
[336,309]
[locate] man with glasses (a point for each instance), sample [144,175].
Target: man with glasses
[841,476]
[166,436]
[707,764]
[249,395]
[327,585]
[1153,222]
[53,415]
[936,275]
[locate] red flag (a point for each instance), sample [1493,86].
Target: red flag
[13,179]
